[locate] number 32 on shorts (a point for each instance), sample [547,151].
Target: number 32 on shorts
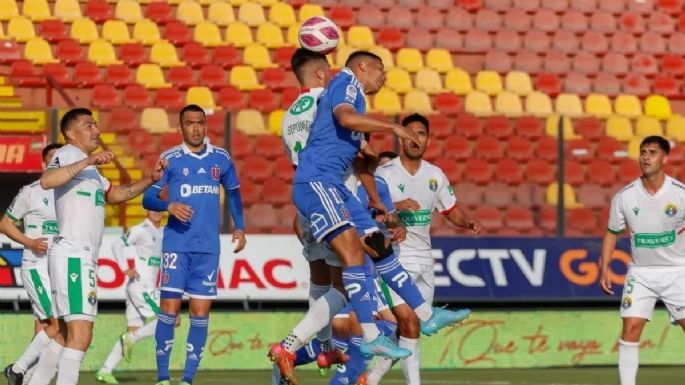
[170,260]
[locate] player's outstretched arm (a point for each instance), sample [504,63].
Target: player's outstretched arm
[8,228]
[459,218]
[368,181]
[129,191]
[608,247]
[350,119]
[58,176]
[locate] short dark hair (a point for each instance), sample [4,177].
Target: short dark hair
[416,118]
[49,148]
[662,142]
[360,54]
[302,57]
[190,108]
[387,154]
[70,117]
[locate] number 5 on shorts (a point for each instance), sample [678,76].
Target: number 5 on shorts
[170,260]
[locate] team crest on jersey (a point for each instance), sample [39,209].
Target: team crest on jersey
[216,172]
[433,184]
[671,210]
[186,171]
[92,298]
[304,104]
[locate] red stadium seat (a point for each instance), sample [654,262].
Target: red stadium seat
[665,85]
[636,84]
[610,149]
[434,150]
[68,51]
[477,41]
[582,220]
[585,6]
[540,172]
[159,12]
[529,127]
[391,37]
[283,56]
[548,83]
[231,98]
[469,194]
[98,10]
[641,7]
[458,148]
[136,96]
[213,76]
[170,99]
[470,5]
[589,128]
[548,219]
[517,20]
[632,22]
[276,192]
[260,217]
[443,5]
[508,41]
[520,149]
[450,168]
[440,126]
[592,196]
[537,41]
[499,127]
[256,168]
[574,21]
[653,43]
[490,218]
[448,103]
[498,61]
[615,63]
[527,61]
[603,21]
[53,30]
[288,97]
[565,41]
[283,169]
[263,100]
[585,63]
[576,83]
[227,56]
[606,84]
[661,23]
[681,22]
[673,64]
[400,17]
[215,123]
[478,171]
[344,16]
[429,18]
[670,6]
[104,97]
[509,171]
[623,42]
[275,78]
[241,145]
[411,4]
[628,171]
[468,125]
[143,142]
[547,149]
[458,19]
[595,42]
[557,62]
[545,20]
[177,33]
[181,77]
[499,195]
[250,192]
[194,54]
[488,20]
[123,119]
[602,173]
[520,219]
[270,146]
[133,54]
[574,173]
[86,74]
[580,150]
[119,75]
[420,38]
[170,139]
[59,73]
[556,6]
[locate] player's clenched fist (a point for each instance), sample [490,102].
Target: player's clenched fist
[100,158]
[158,169]
[239,237]
[181,211]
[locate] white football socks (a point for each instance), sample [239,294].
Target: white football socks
[69,366]
[318,316]
[411,365]
[32,352]
[47,364]
[628,361]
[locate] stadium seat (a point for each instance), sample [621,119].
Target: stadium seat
[189,12]
[270,35]
[548,149]
[623,43]
[178,33]
[67,10]
[445,38]
[647,126]
[652,43]
[274,123]
[104,97]
[665,85]
[391,37]
[119,75]
[644,64]
[208,34]
[657,106]
[488,148]
[195,55]
[489,82]
[593,196]
[602,173]
[676,43]
[459,19]
[410,59]
[385,55]
[628,171]
[589,128]
[634,148]
[420,38]
[552,127]
[574,173]
[672,64]
[151,76]
[552,196]
[257,56]
[468,125]
[310,10]
[457,148]
[418,101]
[538,104]
[133,54]
[545,20]
[574,20]
[458,81]
[239,35]
[360,37]
[36,10]
[477,41]
[202,96]
[478,171]
[59,72]
[211,75]
[619,128]
[478,103]
[598,105]
[527,61]
[439,60]
[610,149]
[123,119]
[8,10]
[86,74]
[164,54]
[498,61]
[98,10]
[116,32]
[102,53]
[582,221]
[400,17]
[129,11]
[251,122]
[580,150]
[226,56]
[387,102]
[628,106]
[263,100]
[675,128]
[341,55]
[507,40]
[518,82]
[161,12]
[50,30]
[509,104]
[440,125]
[569,105]
[557,62]
[84,31]
[537,41]
[244,78]
[145,32]
[398,80]
[519,149]
[631,22]
[606,84]
[155,120]
[24,73]
[251,14]
[20,29]
[136,96]
[529,127]
[231,98]
[577,83]
[276,78]
[448,103]
[565,41]
[38,51]
[585,63]
[428,80]
[548,83]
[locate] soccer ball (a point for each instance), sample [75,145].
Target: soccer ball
[319,34]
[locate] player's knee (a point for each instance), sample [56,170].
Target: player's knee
[341,328]
[632,329]
[51,328]
[377,245]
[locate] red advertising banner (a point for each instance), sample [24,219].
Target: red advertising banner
[21,153]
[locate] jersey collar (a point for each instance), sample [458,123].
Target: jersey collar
[348,71]
[208,150]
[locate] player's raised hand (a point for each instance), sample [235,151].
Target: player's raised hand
[38,245]
[407,205]
[181,211]
[131,273]
[101,158]
[605,282]
[238,236]
[158,169]
[380,210]
[406,133]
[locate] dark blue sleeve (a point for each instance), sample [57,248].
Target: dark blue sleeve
[151,199]
[384,193]
[235,203]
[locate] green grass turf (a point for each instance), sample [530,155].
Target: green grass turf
[669,375]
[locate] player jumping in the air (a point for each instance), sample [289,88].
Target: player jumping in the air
[80,197]
[653,209]
[190,249]
[417,188]
[35,207]
[142,294]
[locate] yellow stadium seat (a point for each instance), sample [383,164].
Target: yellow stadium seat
[208,34]
[164,54]
[116,32]
[418,101]
[267,3]
[387,102]
[429,81]
[21,29]
[244,78]
[628,106]
[410,59]
[675,128]
[458,81]
[202,96]
[648,126]
[619,128]
[292,35]
[385,55]
[275,120]
[598,105]
[270,35]
[146,32]
[570,201]
[518,82]
[239,35]
[634,147]
[8,9]
[657,106]
[552,127]
[190,12]
[151,76]
[237,3]
[257,56]
[38,51]
[155,120]
[251,122]
[342,53]
[439,59]
[478,103]
[36,10]
[220,13]
[251,14]
[569,105]
[489,82]
[398,80]
[129,11]
[508,104]
[310,10]
[84,31]
[282,14]
[101,52]
[67,10]
[538,104]
[360,37]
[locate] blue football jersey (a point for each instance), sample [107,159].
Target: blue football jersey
[383,193]
[331,148]
[194,179]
